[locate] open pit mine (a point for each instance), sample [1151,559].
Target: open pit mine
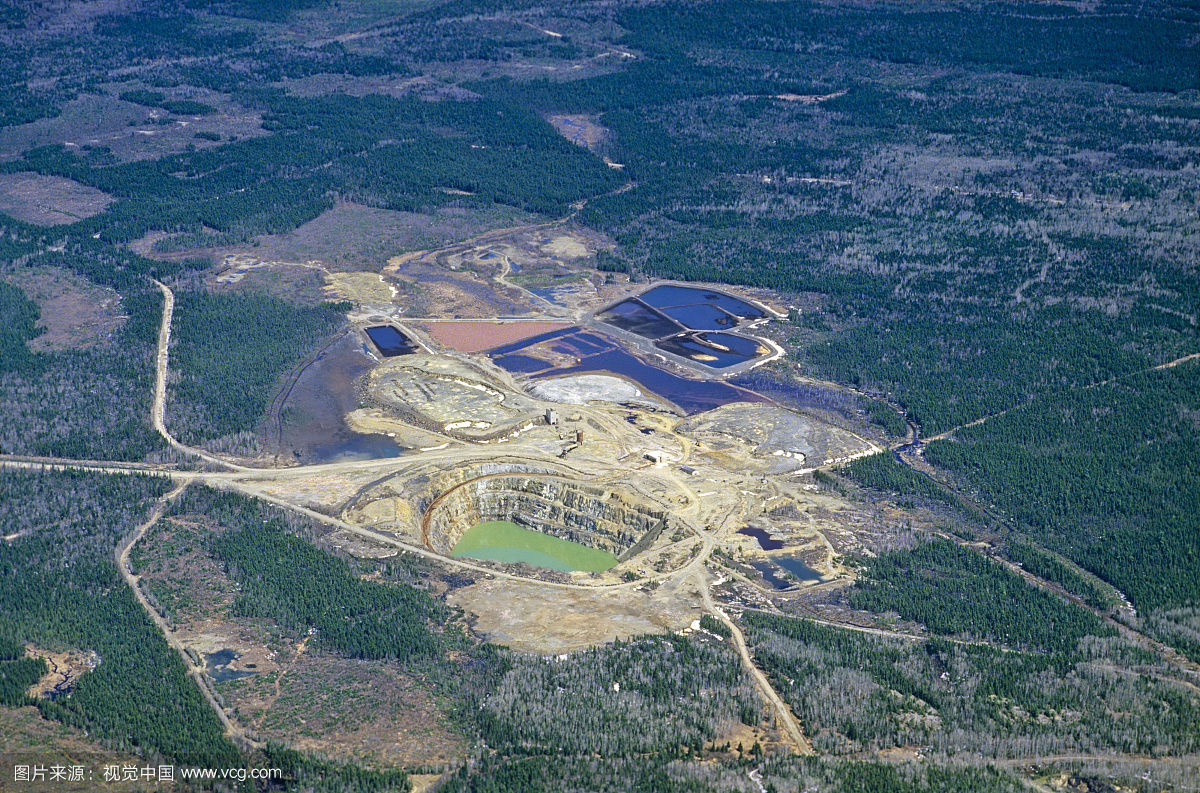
[590,470]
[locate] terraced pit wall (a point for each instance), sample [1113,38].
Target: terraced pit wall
[593,516]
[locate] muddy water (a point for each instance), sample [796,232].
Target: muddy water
[311,426]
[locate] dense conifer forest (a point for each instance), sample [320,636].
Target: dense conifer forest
[62,590]
[231,352]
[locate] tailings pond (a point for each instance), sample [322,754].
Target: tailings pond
[390,341]
[670,296]
[718,350]
[687,322]
[504,541]
[307,422]
[586,352]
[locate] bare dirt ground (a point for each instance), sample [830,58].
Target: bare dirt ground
[363,289]
[74,312]
[49,200]
[533,618]
[536,270]
[369,711]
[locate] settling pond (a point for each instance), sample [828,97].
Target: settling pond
[687,321]
[504,541]
[390,341]
[597,353]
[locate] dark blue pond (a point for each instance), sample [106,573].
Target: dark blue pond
[586,344]
[390,341]
[522,364]
[771,574]
[532,340]
[737,345]
[599,342]
[764,539]
[597,353]
[692,396]
[703,316]
[797,568]
[667,296]
[636,318]
[727,350]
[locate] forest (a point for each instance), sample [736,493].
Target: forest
[883,472]
[958,592]
[61,403]
[286,579]
[61,589]
[855,691]
[231,352]
[1108,477]
[653,775]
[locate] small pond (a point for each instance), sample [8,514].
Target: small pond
[797,568]
[771,574]
[390,341]
[217,666]
[764,539]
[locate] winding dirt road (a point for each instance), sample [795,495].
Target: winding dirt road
[159,407]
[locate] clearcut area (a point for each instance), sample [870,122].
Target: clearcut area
[505,541]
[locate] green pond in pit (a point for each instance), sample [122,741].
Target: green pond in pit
[504,541]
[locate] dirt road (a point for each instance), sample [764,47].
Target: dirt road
[195,671]
[159,408]
[788,726]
